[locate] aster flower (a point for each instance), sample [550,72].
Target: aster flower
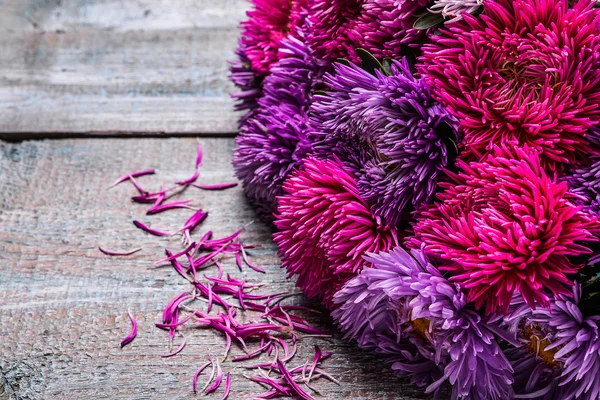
[325,228]
[273,140]
[402,138]
[332,34]
[566,341]
[506,226]
[268,23]
[525,70]
[534,378]
[452,10]
[250,85]
[385,26]
[374,310]
[578,345]
[403,295]
[585,183]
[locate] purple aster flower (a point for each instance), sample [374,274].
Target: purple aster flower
[403,137]
[566,341]
[534,378]
[273,140]
[585,183]
[374,310]
[249,83]
[406,297]
[477,368]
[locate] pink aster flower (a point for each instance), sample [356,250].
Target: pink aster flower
[506,226]
[338,27]
[331,32]
[268,23]
[385,26]
[525,70]
[325,228]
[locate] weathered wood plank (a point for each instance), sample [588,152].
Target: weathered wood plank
[117,67]
[63,304]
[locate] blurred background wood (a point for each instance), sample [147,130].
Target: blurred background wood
[117,67]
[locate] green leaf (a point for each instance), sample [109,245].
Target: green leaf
[320,93]
[369,62]
[409,55]
[343,61]
[428,21]
[451,148]
[387,66]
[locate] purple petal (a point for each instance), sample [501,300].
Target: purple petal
[132,175]
[129,338]
[220,186]
[151,231]
[119,252]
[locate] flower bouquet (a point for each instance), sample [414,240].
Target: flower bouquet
[432,169]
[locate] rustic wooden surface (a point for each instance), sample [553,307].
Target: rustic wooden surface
[116,67]
[63,304]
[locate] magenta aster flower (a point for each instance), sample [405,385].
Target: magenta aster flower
[525,70]
[268,23]
[273,139]
[389,131]
[325,228]
[405,296]
[506,226]
[339,27]
[385,26]
[331,29]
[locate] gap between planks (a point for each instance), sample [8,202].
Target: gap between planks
[23,136]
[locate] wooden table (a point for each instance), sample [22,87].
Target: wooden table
[89,90]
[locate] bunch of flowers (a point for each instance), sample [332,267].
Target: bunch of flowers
[432,171]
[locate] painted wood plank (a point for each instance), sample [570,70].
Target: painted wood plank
[118,67]
[63,304]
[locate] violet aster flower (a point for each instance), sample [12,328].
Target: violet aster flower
[506,226]
[525,70]
[585,182]
[534,378]
[565,340]
[374,309]
[325,228]
[403,136]
[273,140]
[404,296]
[577,342]
[250,85]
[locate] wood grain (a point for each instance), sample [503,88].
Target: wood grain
[63,304]
[117,67]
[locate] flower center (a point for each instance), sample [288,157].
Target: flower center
[538,345]
[421,327]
